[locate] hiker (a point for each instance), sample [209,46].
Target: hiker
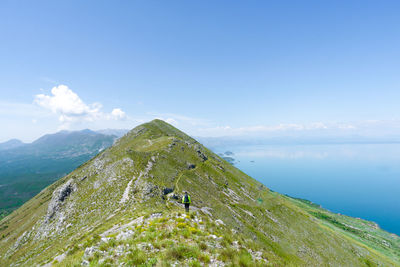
[186,200]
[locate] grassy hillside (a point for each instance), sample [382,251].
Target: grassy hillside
[366,232]
[27,169]
[122,207]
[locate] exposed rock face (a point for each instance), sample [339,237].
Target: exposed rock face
[200,153]
[59,196]
[143,189]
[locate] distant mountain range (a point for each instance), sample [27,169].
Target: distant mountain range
[230,141]
[25,169]
[116,132]
[13,143]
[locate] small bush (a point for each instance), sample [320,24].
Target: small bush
[166,243]
[163,219]
[193,230]
[73,249]
[244,259]
[112,242]
[203,246]
[108,262]
[91,241]
[151,262]
[165,235]
[136,257]
[204,258]
[157,245]
[95,257]
[186,233]
[180,220]
[228,239]
[149,237]
[227,254]
[104,246]
[182,252]
[194,263]
[181,225]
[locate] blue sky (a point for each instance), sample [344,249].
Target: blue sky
[212,68]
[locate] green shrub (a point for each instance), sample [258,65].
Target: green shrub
[104,246]
[95,257]
[163,219]
[165,235]
[204,258]
[180,220]
[181,225]
[112,242]
[203,246]
[194,263]
[109,262]
[194,230]
[186,233]
[91,241]
[182,252]
[243,259]
[227,254]
[74,248]
[135,257]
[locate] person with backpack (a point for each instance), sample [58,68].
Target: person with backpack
[186,200]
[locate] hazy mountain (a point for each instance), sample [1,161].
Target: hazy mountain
[116,132]
[27,169]
[230,141]
[123,208]
[13,143]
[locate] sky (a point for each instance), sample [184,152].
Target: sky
[211,68]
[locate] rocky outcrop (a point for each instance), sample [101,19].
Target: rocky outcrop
[142,188]
[59,196]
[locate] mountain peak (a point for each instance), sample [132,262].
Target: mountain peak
[124,207]
[13,143]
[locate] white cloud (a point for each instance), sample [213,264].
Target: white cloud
[65,102]
[118,114]
[70,108]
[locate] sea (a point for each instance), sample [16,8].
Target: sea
[359,180]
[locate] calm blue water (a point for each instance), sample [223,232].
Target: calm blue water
[359,180]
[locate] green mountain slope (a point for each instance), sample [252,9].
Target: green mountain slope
[28,168]
[122,207]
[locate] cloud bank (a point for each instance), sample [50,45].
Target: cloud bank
[278,129]
[70,108]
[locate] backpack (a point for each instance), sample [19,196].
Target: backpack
[186,199]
